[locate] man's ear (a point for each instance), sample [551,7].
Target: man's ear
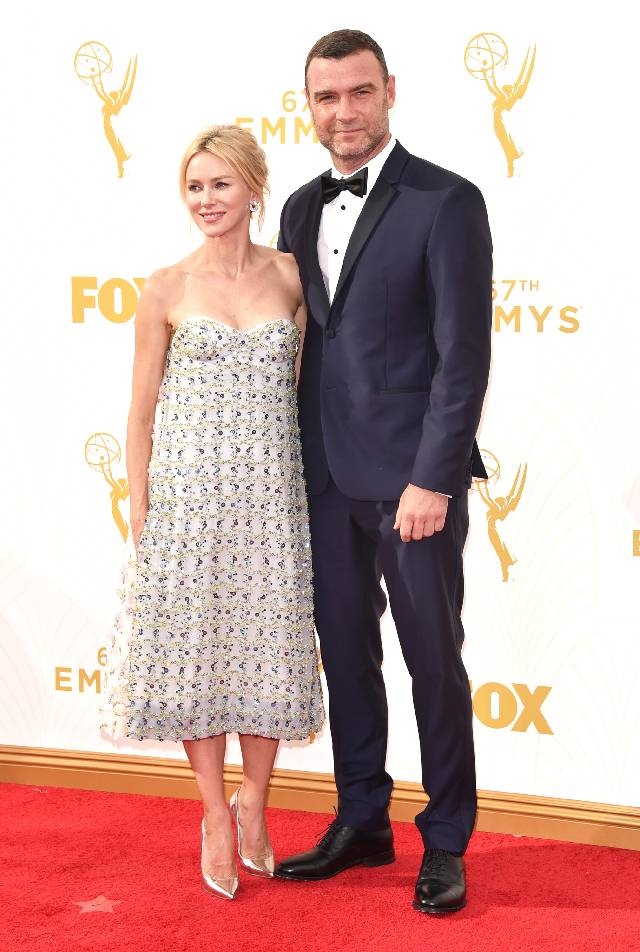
[391,91]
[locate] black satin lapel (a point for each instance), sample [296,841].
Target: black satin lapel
[317,296]
[381,195]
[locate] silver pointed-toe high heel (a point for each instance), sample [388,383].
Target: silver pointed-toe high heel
[225,888]
[257,865]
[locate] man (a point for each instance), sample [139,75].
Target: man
[395,262]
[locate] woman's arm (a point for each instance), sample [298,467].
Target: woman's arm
[152,342]
[291,275]
[301,321]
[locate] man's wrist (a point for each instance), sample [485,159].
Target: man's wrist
[429,490]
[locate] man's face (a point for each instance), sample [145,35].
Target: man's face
[350,102]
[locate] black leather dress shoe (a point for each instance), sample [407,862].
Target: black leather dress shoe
[441,886]
[340,848]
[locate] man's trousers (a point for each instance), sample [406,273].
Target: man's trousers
[354,544]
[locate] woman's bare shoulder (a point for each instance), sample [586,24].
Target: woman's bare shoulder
[287,265]
[165,287]
[284,258]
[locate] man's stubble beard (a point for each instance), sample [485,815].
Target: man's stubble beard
[357,151]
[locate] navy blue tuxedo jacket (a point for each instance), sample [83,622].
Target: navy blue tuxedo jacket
[395,369]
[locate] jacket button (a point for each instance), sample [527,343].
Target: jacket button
[330,332]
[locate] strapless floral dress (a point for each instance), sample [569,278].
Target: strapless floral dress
[215,629]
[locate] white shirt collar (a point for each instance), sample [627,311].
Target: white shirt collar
[374,165]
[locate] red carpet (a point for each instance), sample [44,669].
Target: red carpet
[60,848]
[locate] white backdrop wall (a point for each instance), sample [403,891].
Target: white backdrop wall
[553,651]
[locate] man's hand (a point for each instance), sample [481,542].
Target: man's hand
[420,513]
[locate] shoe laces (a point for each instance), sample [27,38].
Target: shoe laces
[436,860]
[327,836]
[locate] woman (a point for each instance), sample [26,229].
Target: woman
[216,633]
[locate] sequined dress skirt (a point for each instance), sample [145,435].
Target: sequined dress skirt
[215,628]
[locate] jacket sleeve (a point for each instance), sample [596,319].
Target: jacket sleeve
[459,272]
[283,244]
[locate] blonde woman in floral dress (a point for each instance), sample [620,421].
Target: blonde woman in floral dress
[216,630]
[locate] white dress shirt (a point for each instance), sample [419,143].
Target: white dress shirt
[339,218]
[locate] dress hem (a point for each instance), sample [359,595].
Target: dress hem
[271,735]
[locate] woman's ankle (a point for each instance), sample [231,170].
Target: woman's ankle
[251,800]
[217,818]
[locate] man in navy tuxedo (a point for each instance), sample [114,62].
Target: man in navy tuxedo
[395,259]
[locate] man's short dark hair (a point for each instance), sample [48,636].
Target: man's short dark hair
[342,43]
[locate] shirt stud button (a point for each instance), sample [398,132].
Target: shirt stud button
[335,251]
[343,207]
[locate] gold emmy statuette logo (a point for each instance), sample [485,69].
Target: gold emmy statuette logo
[93,63]
[483,55]
[100,451]
[498,508]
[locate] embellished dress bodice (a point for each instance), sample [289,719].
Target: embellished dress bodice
[215,632]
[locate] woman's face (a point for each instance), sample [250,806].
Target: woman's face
[217,197]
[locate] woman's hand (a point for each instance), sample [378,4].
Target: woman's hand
[137,526]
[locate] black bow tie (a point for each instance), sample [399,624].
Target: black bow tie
[356,184]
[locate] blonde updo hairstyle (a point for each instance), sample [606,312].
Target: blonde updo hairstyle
[240,149]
